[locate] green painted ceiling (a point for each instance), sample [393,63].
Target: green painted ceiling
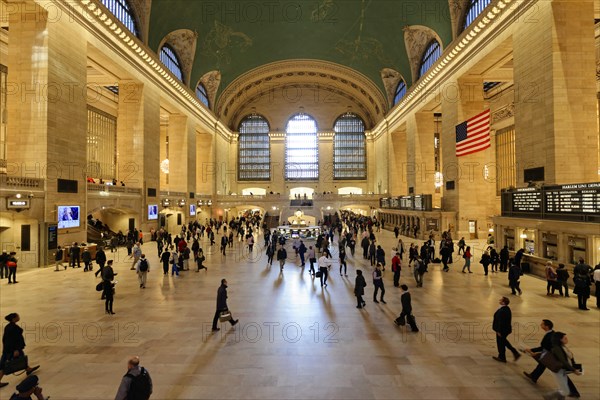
[237,36]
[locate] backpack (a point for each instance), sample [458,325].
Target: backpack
[143,265]
[141,386]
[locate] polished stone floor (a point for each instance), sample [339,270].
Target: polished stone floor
[294,340]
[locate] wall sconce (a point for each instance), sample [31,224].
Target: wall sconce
[200,203]
[209,203]
[524,234]
[181,203]
[166,203]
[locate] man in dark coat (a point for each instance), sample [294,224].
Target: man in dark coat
[222,305]
[504,255]
[359,288]
[100,260]
[502,325]
[406,313]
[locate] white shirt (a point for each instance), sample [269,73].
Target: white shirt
[597,275]
[324,262]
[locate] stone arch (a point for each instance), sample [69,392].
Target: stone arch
[183,41]
[211,81]
[391,78]
[416,39]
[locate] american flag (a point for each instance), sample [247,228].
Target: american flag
[473,135]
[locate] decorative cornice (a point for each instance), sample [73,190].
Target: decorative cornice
[505,112]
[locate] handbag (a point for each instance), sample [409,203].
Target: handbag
[100,286]
[549,360]
[318,274]
[225,316]
[16,364]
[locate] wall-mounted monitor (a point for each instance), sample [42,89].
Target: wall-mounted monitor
[192,210]
[68,217]
[152,212]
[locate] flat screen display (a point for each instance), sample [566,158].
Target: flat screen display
[68,217]
[152,212]
[192,210]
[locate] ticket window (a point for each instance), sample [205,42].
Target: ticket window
[577,249]
[550,246]
[509,239]
[528,241]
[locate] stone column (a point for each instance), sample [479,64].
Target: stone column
[555,95]
[398,162]
[47,111]
[474,197]
[178,153]
[421,167]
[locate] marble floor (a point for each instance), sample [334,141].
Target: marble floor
[294,340]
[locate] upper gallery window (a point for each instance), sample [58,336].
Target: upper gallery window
[169,58]
[301,148]
[430,56]
[122,10]
[202,95]
[349,148]
[254,149]
[400,92]
[475,8]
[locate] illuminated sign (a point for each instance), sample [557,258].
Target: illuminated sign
[15,203]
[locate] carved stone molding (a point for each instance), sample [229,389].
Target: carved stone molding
[391,78]
[211,81]
[505,112]
[141,10]
[458,8]
[416,39]
[183,41]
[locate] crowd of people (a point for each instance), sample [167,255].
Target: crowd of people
[345,230]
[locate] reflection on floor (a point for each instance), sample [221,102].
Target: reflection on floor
[294,340]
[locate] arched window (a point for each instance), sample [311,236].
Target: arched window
[400,91]
[169,58]
[475,8]
[430,56]
[349,148]
[202,95]
[301,148]
[254,150]
[124,13]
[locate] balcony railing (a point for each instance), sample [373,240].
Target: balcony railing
[108,189]
[19,182]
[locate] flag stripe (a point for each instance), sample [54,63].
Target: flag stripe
[473,135]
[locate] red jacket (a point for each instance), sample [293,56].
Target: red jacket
[396,263]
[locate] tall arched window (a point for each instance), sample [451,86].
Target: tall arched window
[349,148]
[301,148]
[169,58]
[475,8]
[202,95]
[430,56]
[124,13]
[400,91]
[254,150]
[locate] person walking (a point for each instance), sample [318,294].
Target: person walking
[419,269]
[359,289]
[324,266]
[281,257]
[142,268]
[13,343]
[565,358]
[502,325]
[174,260]
[136,383]
[597,283]
[27,388]
[562,278]
[582,282]
[86,257]
[224,243]
[504,256]
[100,260]
[514,276]
[302,251]
[461,245]
[108,287]
[396,268]
[136,253]
[312,259]
[378,284]
[406,313]
[494,259]
[164,258]
[342,256]
[3,267]
[467,256]
[12,263]
[486,260]
[270,254]
[58,259]
[222,305]
[199,260]
[551,282]
[380,257]
[74,253]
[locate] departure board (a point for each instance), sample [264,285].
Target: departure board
[527,200]
[573,199]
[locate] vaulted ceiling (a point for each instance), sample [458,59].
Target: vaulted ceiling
[235,37]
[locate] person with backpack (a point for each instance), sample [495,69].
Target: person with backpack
[100,260]
[419,269]
[58,258]
[86,257]
[281,257]
[143,267]
[136,383]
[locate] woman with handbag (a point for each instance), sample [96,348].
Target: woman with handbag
[561,362]
[13,344]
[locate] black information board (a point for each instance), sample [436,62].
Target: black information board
[578,202]
[52,237]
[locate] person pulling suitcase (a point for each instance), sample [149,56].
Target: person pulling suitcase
[406,314]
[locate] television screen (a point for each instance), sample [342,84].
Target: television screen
[192,210]
[152,212]
[68,217]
